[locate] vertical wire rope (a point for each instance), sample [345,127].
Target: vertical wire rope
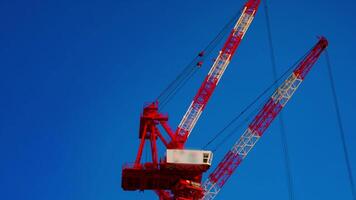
[283,133]
[340,125]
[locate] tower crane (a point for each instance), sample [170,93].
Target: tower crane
[260,123]
[178,174]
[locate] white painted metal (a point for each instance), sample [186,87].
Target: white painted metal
[287,89]
[192,157]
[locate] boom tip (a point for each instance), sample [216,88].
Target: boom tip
[323,41]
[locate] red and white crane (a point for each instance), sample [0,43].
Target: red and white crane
[260,123]
[178,174]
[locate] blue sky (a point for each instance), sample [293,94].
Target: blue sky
[74,76]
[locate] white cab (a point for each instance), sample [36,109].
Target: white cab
[184,156]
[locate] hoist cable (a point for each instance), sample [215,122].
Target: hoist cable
[245,110]
[283,134]
[249,106]
[237,127]
[340,125]
[169,92]
[176,91]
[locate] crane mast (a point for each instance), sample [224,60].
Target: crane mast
[261,122]
[217,70]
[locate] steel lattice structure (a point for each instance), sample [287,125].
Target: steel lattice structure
[173,180]
[178,174]
[217,70]
[260,123]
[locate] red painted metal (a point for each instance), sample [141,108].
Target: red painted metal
[261,122]
[225,168]
[166,179]
[265,117]
[312,57]
[209,84]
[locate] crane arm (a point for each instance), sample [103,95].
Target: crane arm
[263,119]
[212,79]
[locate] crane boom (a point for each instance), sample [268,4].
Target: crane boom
[263,119]
[212,79]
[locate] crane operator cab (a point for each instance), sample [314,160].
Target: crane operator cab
[189,157]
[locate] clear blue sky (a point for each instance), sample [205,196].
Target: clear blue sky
[74,76]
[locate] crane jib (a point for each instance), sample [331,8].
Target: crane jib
[260,123]
[217,70]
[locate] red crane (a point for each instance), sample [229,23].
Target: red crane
[260,123]
[178,175]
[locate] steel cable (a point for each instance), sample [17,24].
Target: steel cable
[171,90]
[340,125]
[283,133]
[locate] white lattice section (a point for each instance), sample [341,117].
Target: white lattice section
[212,189]
[286,90]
